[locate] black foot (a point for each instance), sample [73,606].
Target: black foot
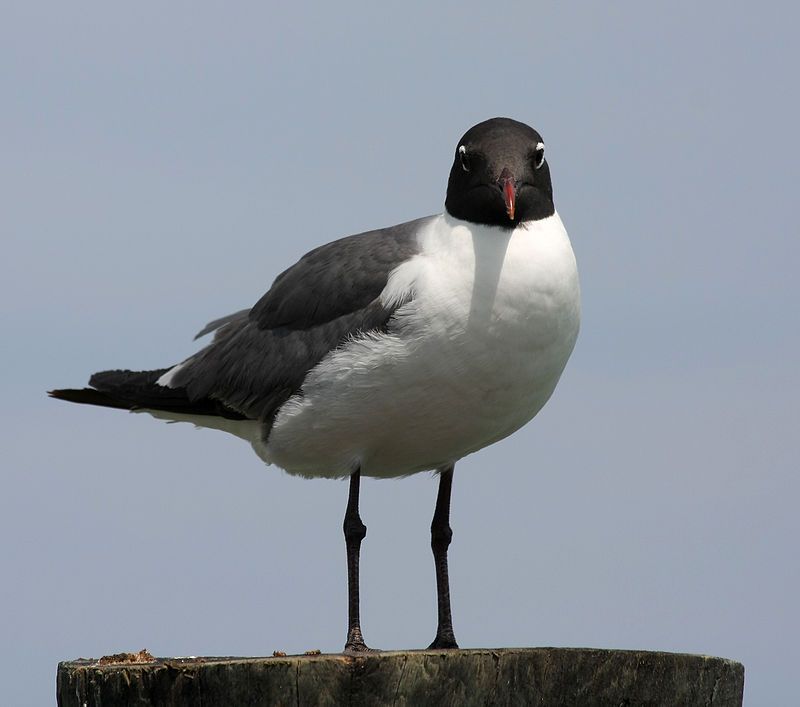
[353,647]
[443,642]
[355,642]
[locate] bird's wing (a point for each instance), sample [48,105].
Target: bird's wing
[260,357]
[242,314]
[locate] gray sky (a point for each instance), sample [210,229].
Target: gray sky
[163,164]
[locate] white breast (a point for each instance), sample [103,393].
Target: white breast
[473,356]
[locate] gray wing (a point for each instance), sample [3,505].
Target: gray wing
[221,322]
[260,357]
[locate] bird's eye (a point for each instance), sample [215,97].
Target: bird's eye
[462,155]
[538,156]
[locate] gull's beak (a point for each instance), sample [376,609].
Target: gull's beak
[509,189]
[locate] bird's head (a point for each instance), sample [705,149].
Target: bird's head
[500,175]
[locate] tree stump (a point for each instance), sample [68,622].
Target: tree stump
[550,677]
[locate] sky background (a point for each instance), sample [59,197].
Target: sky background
[162,163]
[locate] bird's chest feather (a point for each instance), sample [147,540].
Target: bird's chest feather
[496,310]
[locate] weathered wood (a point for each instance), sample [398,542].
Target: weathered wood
[509,676]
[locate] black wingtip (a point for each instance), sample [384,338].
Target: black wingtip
[88,396]
[62,394]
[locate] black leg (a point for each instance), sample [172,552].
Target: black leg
[441,535]
[354,533]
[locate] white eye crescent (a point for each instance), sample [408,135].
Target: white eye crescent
[462,155]
[538,155]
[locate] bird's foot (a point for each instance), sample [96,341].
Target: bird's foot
[355,643]
[353,647]
[447,641]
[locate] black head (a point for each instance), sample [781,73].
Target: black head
[500,176]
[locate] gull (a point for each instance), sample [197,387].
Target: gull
[394,351]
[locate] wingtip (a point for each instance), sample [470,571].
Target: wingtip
[64,394]
[85,396]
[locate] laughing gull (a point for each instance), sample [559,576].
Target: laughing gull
[393,351]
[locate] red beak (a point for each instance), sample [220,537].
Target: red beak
[509,194]
[509,189]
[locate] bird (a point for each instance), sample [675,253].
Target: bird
[394,351]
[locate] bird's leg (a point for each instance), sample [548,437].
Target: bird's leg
[354,533]
[441,535]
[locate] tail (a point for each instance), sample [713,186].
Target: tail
[138,390]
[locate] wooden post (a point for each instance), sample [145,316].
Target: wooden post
[505,676]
